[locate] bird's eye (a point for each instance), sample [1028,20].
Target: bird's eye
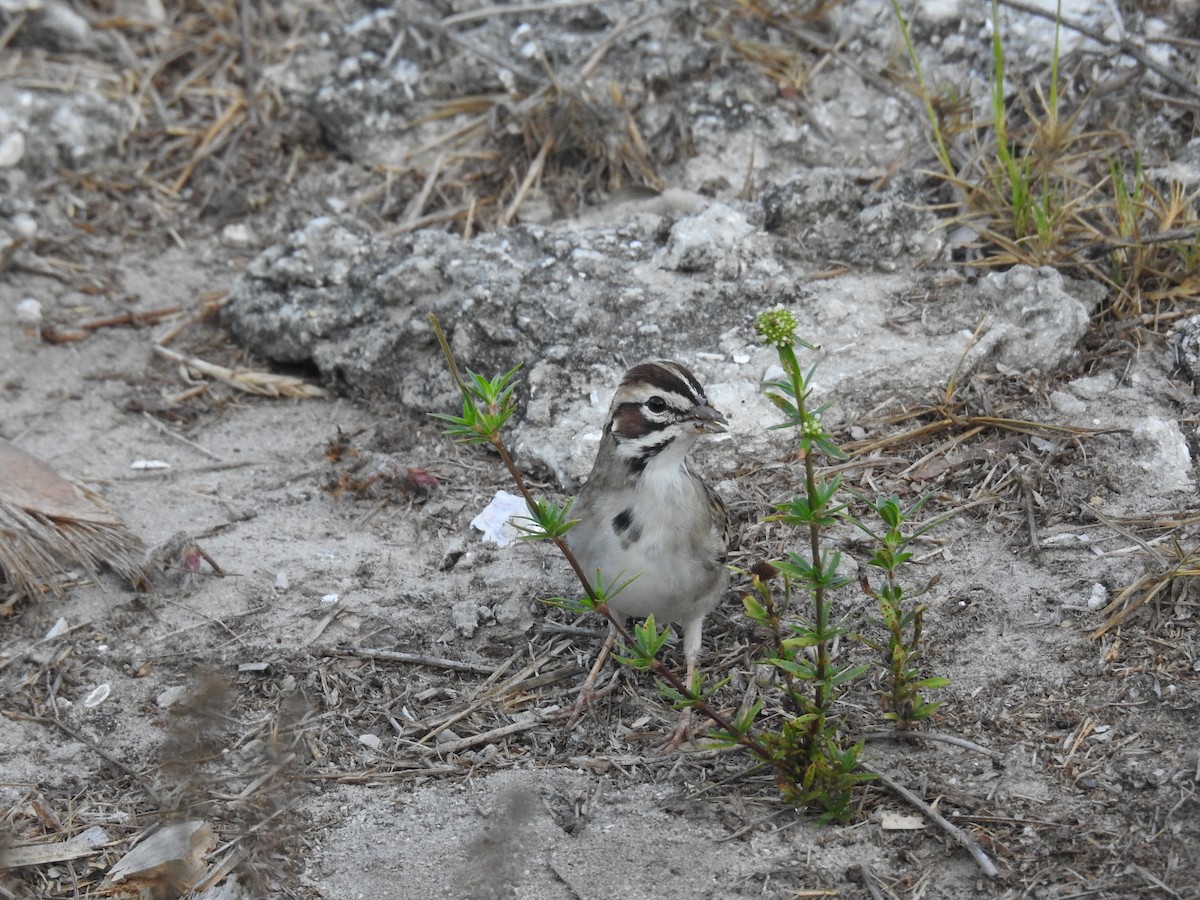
[656,404]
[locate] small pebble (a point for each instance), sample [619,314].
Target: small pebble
[29,310]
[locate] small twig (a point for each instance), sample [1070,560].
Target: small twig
[485,737]
[163,429]
[898,735]
[249,63]
[54,335]
[872,887]
[965,840]
[516,9]
[1030,518]
[510,687]
[415,659]
[535,170]
[17,23]
[417,205]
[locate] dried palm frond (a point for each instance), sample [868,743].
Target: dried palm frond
[49,524]
[264,384]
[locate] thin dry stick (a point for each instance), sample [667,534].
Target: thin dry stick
[535,170]
[232,116]
[446,721]
[897,735]
[417,205]
[486,737]
[417,659]
[968,843]
[164,430]
[516,9]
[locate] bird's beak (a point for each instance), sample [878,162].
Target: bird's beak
[706,419]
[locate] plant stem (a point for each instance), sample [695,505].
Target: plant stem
[821,681]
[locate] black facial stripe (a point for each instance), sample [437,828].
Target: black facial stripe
[655,449]
[643,454]
[697,389]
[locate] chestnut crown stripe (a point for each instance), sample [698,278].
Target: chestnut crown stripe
[667,376]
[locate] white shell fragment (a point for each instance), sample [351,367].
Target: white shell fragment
[59,627]
[98,695]
[147,464]
[12,149]
[495,518]
[28,310]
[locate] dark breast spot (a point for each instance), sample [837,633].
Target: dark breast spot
[628,530]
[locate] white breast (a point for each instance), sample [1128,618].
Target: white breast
[672,556]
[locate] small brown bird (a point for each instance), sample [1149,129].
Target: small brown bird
[644,514]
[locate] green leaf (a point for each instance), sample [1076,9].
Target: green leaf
[802,669]
[578,606]
[755,611]
[549,519]
[848,674]
[648,640]
[928,684]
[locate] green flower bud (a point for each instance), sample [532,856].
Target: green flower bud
[777,327]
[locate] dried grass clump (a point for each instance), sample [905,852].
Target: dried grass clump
[560,132]
[200,113]
[49,524]
[1040,181]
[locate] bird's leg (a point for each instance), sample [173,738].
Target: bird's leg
[683,731]
[691,650]
[587,692]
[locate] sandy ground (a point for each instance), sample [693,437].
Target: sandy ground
[271,699]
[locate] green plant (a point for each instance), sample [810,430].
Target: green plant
[815,765]
[902,701]
[1038,186]
[926,97]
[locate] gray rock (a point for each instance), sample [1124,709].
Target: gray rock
[356,305]
[1187,346]
[1039,318]
[1162,453]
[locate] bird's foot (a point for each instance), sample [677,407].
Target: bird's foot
[682,734]
[587,696]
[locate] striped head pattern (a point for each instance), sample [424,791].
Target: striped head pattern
[659,405]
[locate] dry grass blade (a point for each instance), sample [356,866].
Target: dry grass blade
[263,384]
[1148,587]
[48,523]
[1037,183]
[947,420]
